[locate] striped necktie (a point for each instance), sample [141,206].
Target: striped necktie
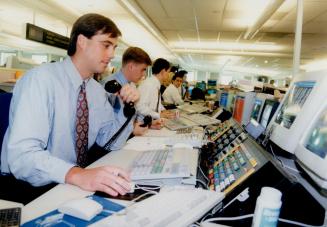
[82,127]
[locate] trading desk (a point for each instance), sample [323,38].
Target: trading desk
[64,192]
[299,203]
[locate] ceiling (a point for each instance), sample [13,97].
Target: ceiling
[206,35]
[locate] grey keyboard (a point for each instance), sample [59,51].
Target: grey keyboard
[158,164]
[10,217]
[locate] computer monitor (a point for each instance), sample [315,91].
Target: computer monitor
[254,128]
[190,88]
[298,108]
[223,99]
[211,91]
[212,84]
[243,105]
[258,105]
[230,100]
[257,108]
[268,111]
[311,151]
[202,85]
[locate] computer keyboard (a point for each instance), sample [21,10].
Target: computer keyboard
[158,164]
[195,108]
[177,207]
[10,217]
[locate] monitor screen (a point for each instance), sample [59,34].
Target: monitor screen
[254,128]
[211,91]
[256,109]
[293,103]
[223,99]
[238,108]
[317,139]
[311,151]
[265,115]
[212,83]
[202,85]
[190,88]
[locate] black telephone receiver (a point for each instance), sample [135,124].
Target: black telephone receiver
[113,86]
[147,121]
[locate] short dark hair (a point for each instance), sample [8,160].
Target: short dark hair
[174,69]
[182,73]
[177,76]
[159,65]
[89,25]
[136,54]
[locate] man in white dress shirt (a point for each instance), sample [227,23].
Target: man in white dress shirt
[150,97]
[171,94]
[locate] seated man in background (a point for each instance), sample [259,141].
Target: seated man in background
[167,82]
[184,87]
[134,64]
[58,111]
[171,94]
[150,99]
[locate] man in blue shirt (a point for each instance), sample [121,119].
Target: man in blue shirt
[134,64]
[41,145]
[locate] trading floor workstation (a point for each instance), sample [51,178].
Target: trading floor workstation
[246,146]
[212,169]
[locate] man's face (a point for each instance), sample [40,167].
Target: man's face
[178,82]
[99,51]
[166,74]
[137,71]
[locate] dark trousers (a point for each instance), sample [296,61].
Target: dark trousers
[20,191]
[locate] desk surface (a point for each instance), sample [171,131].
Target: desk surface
[61,193]
[64,192]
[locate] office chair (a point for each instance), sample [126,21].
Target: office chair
[5,99]
[197,93]
[11,188]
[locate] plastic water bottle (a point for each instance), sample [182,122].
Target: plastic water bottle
[267,208]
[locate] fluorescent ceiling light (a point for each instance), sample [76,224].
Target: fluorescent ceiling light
[315,65]
[262,18]
[235,46]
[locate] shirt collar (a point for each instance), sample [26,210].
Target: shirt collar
[121,79]
[157,81]
[73,74]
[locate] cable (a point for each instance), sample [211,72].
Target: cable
[244,195]
[282,164]
[251,216]
[148,189]
[203,183]
[141,196]
[229,218]
[203,173]
[278,159]
[297,223]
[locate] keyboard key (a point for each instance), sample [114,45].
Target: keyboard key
[10,217]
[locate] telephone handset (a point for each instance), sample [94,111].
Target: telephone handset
[113,86]
[147,121]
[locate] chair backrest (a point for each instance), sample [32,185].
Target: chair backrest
[5,99]
[197,93]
